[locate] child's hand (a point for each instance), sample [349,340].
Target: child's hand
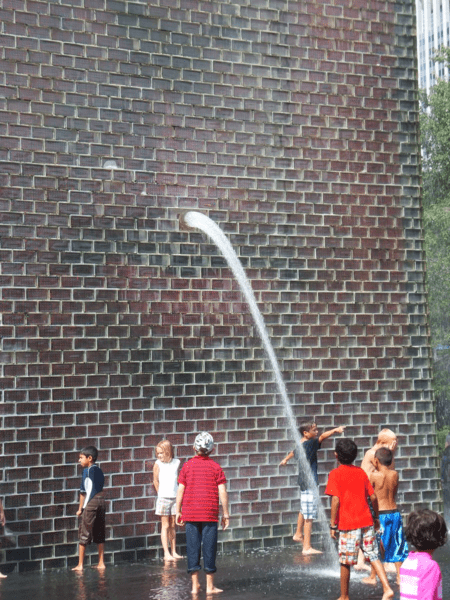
[178,520]
[225,522]
[79,511]
[340,429]
[283,463]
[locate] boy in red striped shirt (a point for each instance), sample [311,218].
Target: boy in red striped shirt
[201,484]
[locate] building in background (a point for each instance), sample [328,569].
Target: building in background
[433,32]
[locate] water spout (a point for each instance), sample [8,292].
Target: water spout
[200,221]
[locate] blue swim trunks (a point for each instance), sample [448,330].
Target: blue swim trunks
[394,542]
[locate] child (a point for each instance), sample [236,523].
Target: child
[420,576]
[165,473]
[349,488]
[201,484]
[92,507]
[384,481]
[311,442]
[386,439]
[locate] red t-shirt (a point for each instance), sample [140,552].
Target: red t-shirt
[201,477]
[352,486]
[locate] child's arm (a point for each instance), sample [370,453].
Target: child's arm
[374,500]
[330,432]
[180,494]
[334,512]
[156,476]
[223,495]
[286,459]
[80,507]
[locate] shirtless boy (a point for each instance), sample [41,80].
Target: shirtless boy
[384,481]
[386,439]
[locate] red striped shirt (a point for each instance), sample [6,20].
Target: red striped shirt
[201,478]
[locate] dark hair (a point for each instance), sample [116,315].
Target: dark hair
[385,456]
[346,451]
[90,451]
[306,426]
[425,530]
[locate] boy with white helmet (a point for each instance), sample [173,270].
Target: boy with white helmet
[201,485]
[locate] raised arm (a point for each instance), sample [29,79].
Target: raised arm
[330,432]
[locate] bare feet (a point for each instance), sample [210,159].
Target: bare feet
[370,580]
[78,568]
[214,590]
[195,589]
[297,538]
[3,576]
[388,594]
[176,556]
[311,551]
[168,557]
[362,567]
[101,566]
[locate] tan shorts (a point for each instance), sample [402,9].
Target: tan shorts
[92,526]
[165,507]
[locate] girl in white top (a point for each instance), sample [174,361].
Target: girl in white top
[165,480]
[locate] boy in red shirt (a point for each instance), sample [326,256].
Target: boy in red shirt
[201,485]
[349,488]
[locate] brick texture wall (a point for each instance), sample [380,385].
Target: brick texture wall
[293,125]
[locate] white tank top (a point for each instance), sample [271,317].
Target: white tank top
[168,478]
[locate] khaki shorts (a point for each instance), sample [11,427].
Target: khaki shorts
[92,526]
[166,507]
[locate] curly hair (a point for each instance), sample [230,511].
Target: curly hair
[425,530]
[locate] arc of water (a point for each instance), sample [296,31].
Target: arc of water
[200,221]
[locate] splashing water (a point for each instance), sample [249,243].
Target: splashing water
[200,221]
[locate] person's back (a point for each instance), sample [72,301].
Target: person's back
[384,481]
[350,488]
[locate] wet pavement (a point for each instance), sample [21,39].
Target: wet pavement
[260,575]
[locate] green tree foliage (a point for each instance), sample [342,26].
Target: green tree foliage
[435,139]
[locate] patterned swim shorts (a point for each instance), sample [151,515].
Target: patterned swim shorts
[166,507]
[308,504]
[351,541]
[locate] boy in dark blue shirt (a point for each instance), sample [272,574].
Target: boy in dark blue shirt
[311,442]
[91,508]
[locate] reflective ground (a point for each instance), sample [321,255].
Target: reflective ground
[268,575]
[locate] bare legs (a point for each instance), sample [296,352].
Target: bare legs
[298,535]
[81,554]
[303,534]
[210,588]
[379,570]
[168,535]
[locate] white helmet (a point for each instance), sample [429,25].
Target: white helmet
[204,441]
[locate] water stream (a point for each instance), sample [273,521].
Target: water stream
[200,221]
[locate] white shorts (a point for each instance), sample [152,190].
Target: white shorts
[166,507]
[308,504]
